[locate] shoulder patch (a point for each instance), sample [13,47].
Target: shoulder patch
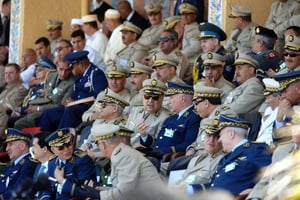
[118,151]
[22,161]
[79,153]
[247,145]
[34,160]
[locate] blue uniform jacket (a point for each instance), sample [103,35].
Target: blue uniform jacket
[17,174]
[239,170]
[176,134]
[91,83]
[77,170]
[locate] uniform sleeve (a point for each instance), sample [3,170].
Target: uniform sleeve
[85,170]
[99,82]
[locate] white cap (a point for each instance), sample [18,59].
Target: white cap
[112,14]
[76,21]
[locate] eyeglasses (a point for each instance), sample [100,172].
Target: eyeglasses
[66,145]
[165,39]
[58,49]
[155,97]
[197,102]
[292,55]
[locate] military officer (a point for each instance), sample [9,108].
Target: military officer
[291,54]
[70,169]
[149,117]
[263,50]
[110,111]
[22,165]
[243,31]
[150,36]
[238,170]
[211,37]
[138,73]
[54,28]
[190,43]
[116,82]
[179,130]
[12,96]
[281,12]
[133,51]
[248,96]
[89,82]
[214,65]
[127,165]
[201,167]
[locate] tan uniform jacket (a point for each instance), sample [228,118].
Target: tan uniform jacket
[191,42]
[154,121]
[247,97]
[150,36]
[129,170]
[201,167]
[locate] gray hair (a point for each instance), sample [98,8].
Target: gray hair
[269,42]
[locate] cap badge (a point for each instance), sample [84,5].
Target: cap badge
[209,56]
[114,68]
[154,57]
[131,64]
[291,38]
[257,30]
[60,133]
[151,6]
[105,91]
[237,55]
[166,22]
[184,5]
[215,122]
[154,82]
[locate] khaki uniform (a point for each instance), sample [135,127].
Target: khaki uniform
[2,79]
[55,93]
[154,121]
[246,97]
[12,96]
[133,52]
[183,70]
[88,114]
[260,190]
[200,168]
[241,39]
[129,170]
[150,36]
[198,145]
[191,42]
[224,85]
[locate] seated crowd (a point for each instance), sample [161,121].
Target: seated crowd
[118,114]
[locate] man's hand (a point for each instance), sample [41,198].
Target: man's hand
[283,108]
[142,128]
[59,174]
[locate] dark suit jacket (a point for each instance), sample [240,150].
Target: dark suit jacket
[139,21]
[101,10]
[4,32]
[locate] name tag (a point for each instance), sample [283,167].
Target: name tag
[55,91]
[88,84]
[230,167]
[169,132]
[123,62]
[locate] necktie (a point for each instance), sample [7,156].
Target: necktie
[42,169]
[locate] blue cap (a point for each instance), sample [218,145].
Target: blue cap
[178,88]
[76,56]
[209,30]
[46,62]
[14,134]
[287,79]
[60,137]
[226,121]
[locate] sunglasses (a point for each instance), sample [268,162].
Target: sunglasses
[291,54]
[165,39]
[66,145]
[197,102]
[155,98]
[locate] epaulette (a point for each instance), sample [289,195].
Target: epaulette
[247,145]
[187,113]
[33,160]
[79,153]
[118,151]
[22,161]
[141,110]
